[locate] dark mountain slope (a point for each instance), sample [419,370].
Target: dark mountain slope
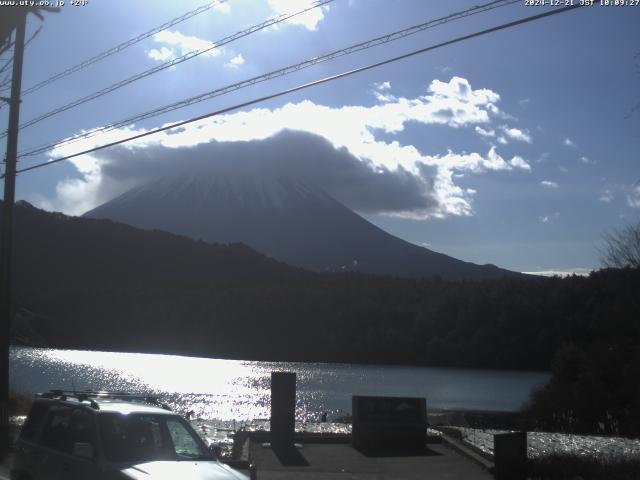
[286,219]
[55,252]
[93,284]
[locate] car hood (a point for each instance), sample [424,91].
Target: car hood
[184,470]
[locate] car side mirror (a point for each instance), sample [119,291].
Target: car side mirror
[215,449]
[83,450]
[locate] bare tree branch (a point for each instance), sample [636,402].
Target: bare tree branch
[622,247]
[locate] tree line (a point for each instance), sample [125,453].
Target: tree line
[94,284]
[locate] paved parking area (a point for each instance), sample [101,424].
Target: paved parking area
[342,462]
[339,461]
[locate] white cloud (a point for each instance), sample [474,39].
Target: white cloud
[477,163]
[161,55]
[177,44]
[549,184]
[502,140]
[544,156]
[569,143]
[633,199]
[221,6]
[235,62]
[549,218]
[381,92]
[444,69]
[309,20]
[472,105]
[384,97]
[606,196]
[519,162]
[587,160]
[351,131]
[524,101]
[517,134]
[485,133]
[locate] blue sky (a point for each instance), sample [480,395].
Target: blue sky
[519,148]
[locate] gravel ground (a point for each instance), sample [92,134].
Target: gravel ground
[543,444]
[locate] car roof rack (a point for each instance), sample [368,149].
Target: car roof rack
[91,396]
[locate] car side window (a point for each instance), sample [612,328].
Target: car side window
[132,437]
[57,431]
[34,420]
[183,442]
[83,429]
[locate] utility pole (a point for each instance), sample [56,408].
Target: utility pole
[6,238]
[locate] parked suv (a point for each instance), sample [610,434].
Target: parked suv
[102,436]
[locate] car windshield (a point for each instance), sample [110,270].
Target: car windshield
[145,437]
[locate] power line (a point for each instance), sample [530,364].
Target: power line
[118,48]
[277,73]
[307,85]
[6,65]
[171,63]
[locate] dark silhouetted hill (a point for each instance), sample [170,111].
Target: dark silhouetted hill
[284,218]
[58,252]
[95,284]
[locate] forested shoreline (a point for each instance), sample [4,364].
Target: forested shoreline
[94,284]
[512,324]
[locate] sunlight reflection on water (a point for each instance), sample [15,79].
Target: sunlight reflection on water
[225,395]
[227,390]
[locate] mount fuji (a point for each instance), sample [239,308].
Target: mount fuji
[290,220]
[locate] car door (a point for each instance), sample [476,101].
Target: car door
[54,444]
[67,431]
[82,462]
[27,450]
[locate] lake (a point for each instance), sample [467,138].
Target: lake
[235,390]
[225,394]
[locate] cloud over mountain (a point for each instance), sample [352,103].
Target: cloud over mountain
[289,153]
[346,150]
